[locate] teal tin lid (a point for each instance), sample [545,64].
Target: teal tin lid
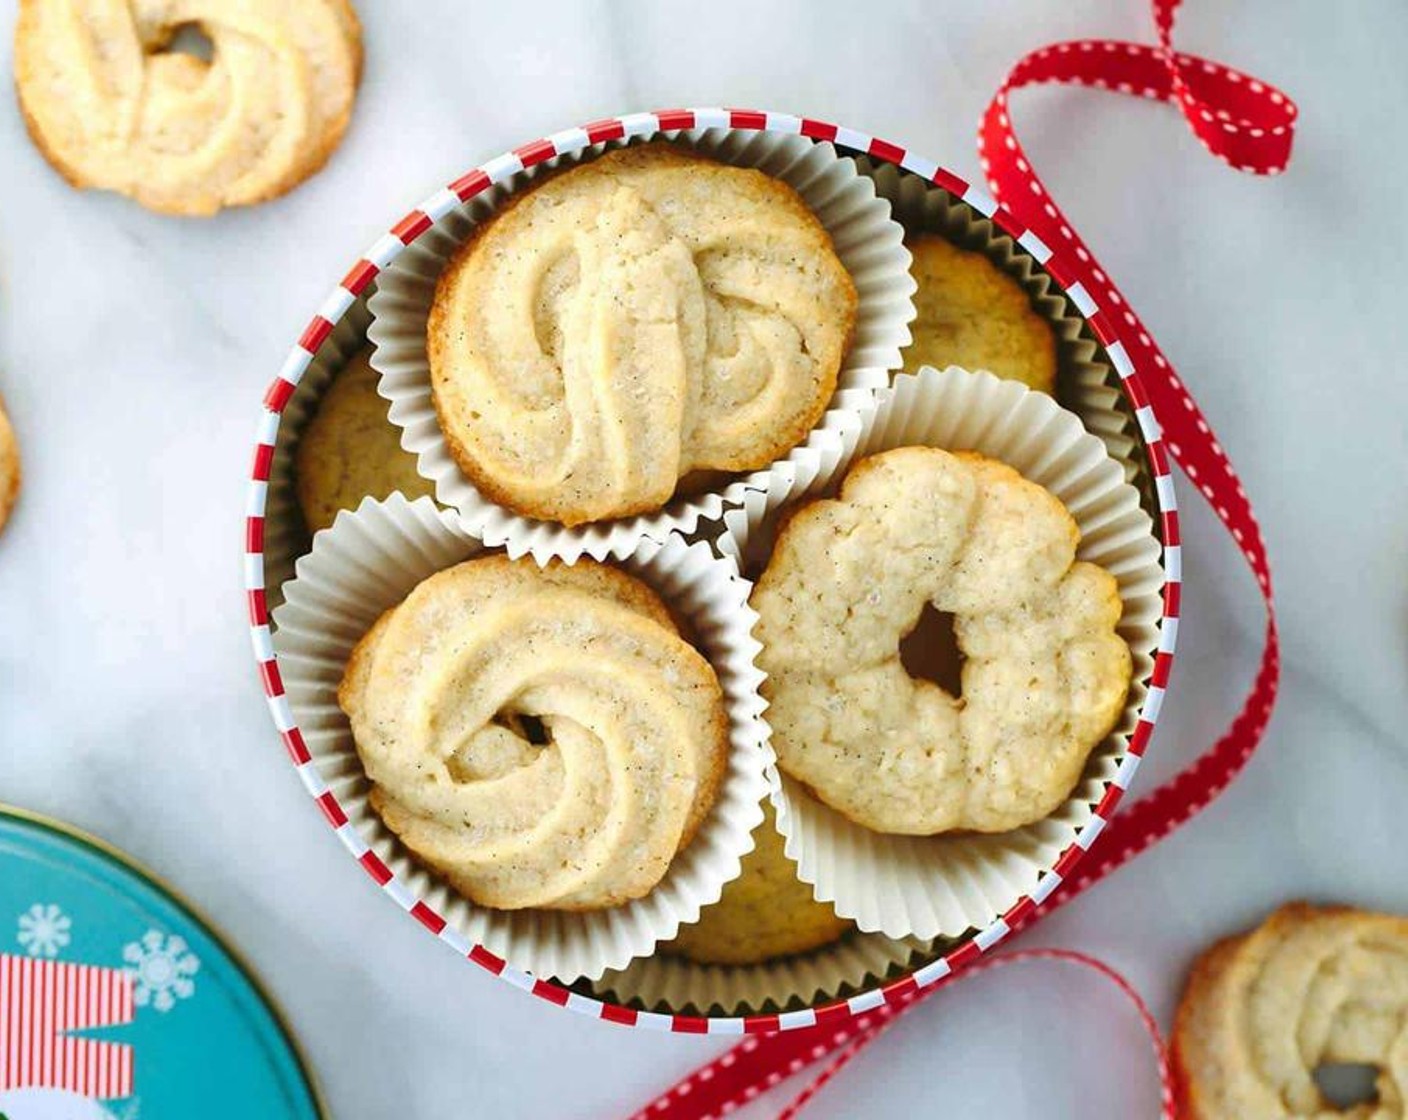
[118,1001]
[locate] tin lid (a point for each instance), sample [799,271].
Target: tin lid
[117,1000]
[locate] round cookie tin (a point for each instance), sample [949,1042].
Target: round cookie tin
[926,966]
[117,1000]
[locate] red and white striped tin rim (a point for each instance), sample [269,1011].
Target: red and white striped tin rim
[1107,328]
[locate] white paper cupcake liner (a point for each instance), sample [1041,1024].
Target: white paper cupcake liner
[852,964]
[868,243]
[367,562]
[906,886]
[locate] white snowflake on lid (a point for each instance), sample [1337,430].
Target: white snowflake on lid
[44,930]
[161,970]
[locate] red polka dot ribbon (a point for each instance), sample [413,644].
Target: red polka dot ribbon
[755,1065]
[1249,125]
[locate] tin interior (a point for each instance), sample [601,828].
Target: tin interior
[1084,373]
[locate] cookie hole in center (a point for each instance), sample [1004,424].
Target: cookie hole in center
[488,755]
[525,726]
[1347,1085]
[930,651]
[188,38]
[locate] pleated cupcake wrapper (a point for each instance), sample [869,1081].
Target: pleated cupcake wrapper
[673,984]
[947,885]
[867,241]
[285,532]
[366,563]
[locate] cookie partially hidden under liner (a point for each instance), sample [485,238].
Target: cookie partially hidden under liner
[350,450]
[767,912]
[970,313]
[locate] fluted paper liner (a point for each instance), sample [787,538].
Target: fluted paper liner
[366,563]
[855,962]
[867,242]
[946,885]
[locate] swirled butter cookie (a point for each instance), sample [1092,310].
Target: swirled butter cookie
[9,467]
[622,324]
[112,107]
[1045,675]
[541,737]
[1310,986]
[766,912]
[350,450]
[970,313]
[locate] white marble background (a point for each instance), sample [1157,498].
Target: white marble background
[134,349]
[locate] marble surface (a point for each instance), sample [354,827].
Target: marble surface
[134,348]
